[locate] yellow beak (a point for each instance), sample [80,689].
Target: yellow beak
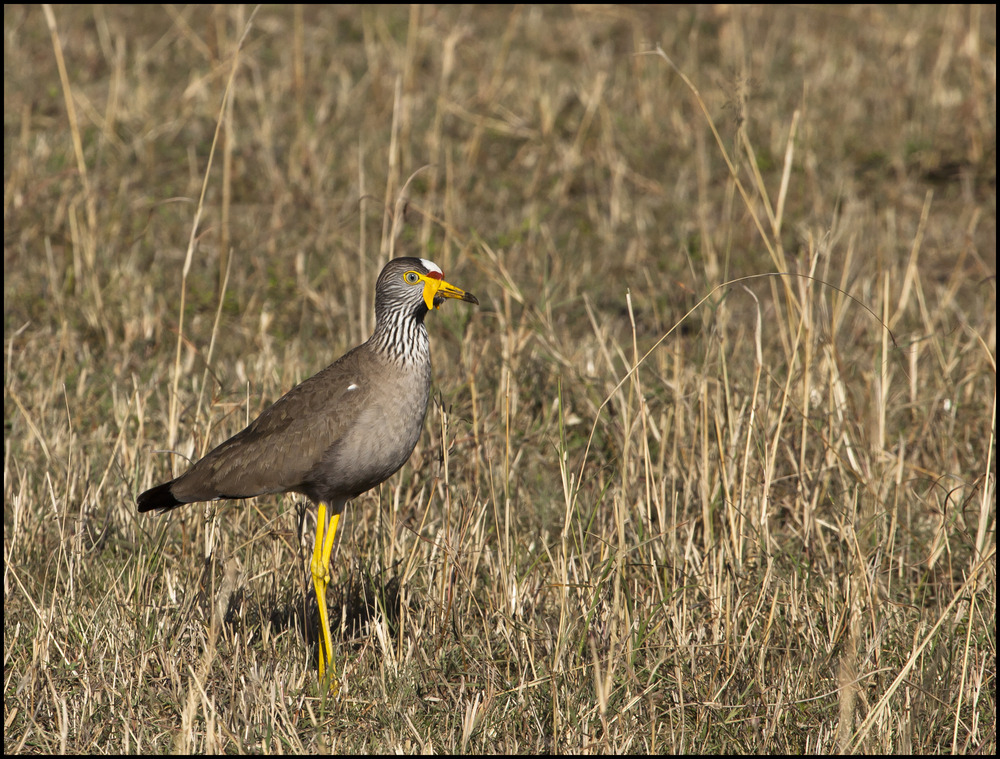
[436,290]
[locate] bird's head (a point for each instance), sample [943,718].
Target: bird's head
[415,284]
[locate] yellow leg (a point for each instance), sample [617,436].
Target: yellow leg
[322,548]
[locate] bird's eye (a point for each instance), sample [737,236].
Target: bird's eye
[411,278]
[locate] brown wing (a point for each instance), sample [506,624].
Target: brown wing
[275,453]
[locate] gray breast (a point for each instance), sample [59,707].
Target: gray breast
[381,438]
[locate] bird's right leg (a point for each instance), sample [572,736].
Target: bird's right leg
[322,548]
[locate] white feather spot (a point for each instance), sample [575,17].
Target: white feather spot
[431,266]
[352,386]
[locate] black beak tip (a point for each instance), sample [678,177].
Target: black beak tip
[467,297]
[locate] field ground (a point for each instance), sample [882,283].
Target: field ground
[664,502]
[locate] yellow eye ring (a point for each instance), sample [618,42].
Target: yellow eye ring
[411,278]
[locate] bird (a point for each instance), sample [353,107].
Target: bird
[338,434]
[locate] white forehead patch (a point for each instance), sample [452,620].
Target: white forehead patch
[431,266]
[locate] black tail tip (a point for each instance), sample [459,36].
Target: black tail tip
[159,498]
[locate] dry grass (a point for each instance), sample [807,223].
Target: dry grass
[651,511]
